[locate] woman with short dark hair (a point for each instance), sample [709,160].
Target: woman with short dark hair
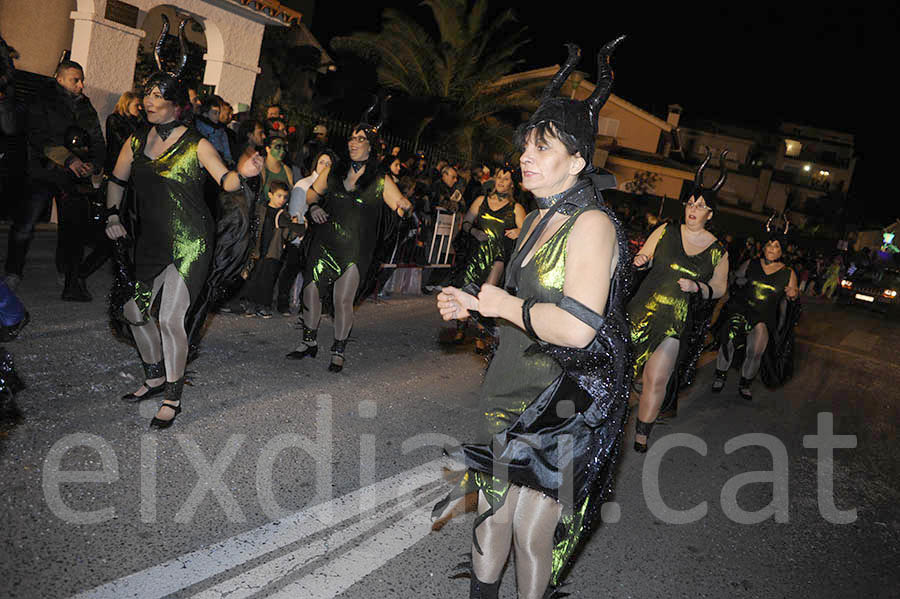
[174,246]
[556,392]
[345,205]
[687,265]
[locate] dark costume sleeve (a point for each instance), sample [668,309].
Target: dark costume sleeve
[234,231]
[777,365]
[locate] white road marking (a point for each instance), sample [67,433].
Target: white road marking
[340,574]
[250,582]
[195,567]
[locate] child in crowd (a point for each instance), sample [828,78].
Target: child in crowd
[276,229]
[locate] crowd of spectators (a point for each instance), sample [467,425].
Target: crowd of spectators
[68,154]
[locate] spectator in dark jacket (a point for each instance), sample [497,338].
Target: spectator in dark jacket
[209,125]
[125,119]
[56,172]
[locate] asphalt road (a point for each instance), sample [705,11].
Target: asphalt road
[280,479]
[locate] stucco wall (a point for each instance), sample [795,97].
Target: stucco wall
[634,132]
[40,35]
[695,141]
[669,184]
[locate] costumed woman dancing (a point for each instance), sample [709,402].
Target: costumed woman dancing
[687,265]
[494,221]
[750,320]
[176,232]
[558,385]
[345,204]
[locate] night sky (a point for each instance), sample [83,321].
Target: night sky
[751,65]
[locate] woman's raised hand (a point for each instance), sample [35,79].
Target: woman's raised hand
[252,166]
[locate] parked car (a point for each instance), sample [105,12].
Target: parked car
[873,288]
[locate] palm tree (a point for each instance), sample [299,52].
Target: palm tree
[454,77]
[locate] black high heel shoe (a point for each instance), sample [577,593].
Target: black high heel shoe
[744,388]
[337,353]
[310,347]
[642,428]
[172,401]
[719,381]
[151,371]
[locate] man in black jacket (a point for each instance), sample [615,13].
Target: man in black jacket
[55,171]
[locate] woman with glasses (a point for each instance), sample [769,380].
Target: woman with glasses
[344,206]
[684,260]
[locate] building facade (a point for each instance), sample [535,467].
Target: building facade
[767,171]
[104,35]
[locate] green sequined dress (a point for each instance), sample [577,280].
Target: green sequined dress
[537,396]
[174,222]
[496,248]
[348,237]
[659,309]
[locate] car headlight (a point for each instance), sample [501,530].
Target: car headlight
[891,293]
[846,284]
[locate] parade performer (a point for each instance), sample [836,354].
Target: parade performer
[670,311]
[556,392]
[756,322]
[494,221]
[175,232]
[345,205]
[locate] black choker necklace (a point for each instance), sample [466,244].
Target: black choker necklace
[355,165]
[164,130]
[503,196]
[550,201]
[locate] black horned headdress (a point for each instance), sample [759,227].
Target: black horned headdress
[578,118]
[778,231]
[708,193]
[368,125]
[171,83]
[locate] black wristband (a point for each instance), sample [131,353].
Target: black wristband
[526,316]
[114,179]
[222,179]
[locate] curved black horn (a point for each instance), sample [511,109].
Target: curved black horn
[698,178]
[787,222]
[383,115]
[769,223]
[182,40]
[604,78]
[724,173]
[563,73]
[368,112]
[157,50]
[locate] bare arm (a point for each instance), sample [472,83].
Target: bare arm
[394,199]
[520,218]
[114,191]
[590,252]
[719,280]
[792,290]
[645,255]
[213,164]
